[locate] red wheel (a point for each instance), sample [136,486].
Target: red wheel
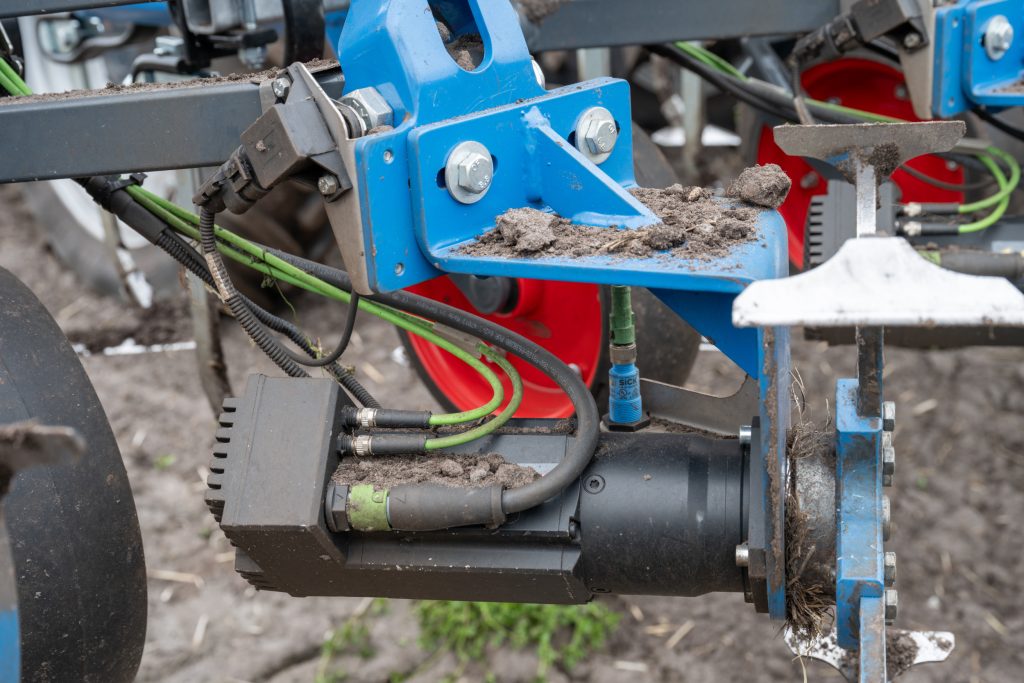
[861,84]
[563,317]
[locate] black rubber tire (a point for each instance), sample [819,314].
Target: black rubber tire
[667,347]
[73,529]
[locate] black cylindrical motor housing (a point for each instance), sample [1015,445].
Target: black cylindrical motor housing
[662,514]
[654,513]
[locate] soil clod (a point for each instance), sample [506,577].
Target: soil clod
[452,470]
[900,652]
[765,186]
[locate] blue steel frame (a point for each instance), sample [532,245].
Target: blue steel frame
[413,228]
[964,76]
[860,585]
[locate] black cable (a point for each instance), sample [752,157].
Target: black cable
[346,337]
[942,184]
[998,123]
[580,449]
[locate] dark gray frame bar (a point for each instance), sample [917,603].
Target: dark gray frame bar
[148,129]
[597,23]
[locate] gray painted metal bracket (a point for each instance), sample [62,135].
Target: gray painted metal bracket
[876,281]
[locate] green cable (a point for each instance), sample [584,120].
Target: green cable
[711,59]
[488,427]
[11,81]
[180,220]
[1004,203]
[1006,188]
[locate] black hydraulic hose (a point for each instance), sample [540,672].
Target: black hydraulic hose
[998,123]
[581,449]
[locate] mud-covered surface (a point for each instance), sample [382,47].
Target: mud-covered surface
[166,322]
[694,225]
[958,498]
[314,66]
[900,651]
[447,470]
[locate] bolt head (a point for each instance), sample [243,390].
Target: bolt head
[475,172]
[601,136]
[890,568]
[998,37]
[370,106]
[280,87]
[328,185]
[742,555]
[888,416]
[336,508]
[889,460]
[892,604]
[911,40]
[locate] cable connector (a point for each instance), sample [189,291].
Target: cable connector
[625,406]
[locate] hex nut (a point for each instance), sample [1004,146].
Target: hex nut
[281,87]
[892,605]
[370,106]
[998,37]
[328,185]
[888,416]
[888,460]
[890,568]
[742,555]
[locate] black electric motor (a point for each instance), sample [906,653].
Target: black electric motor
[654,513]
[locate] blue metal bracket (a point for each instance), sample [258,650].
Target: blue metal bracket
[859,544]
[964,75]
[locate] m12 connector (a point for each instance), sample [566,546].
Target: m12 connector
[625,406]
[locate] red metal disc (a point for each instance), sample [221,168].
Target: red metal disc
[563,317]
[861,84]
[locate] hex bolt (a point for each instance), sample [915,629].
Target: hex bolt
[892,605]
[336,508]
[742,555]
[912,40]
[998,37]
[370,107]
[888,461]
[281,87]
[890,568]
[888,416]
[469,171]
[596,134]
[328,185]
[886,518]
[745,435]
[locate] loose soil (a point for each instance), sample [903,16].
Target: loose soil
[957,499]
[538,10]
[900,652]
[467,51]
[448,470]
[765,186]
[694,226]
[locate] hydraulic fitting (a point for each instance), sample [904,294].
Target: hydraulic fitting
[625,406]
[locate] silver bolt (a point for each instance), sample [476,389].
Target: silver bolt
[370,107]
[911,40]
[280,87]
[745,435]
[328,185]
[596,134]
[888,416]
[886,480]
[469,171]
[892,605]
[742,555]
[998,37]
[888,461]
[886,518]
[890,568]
